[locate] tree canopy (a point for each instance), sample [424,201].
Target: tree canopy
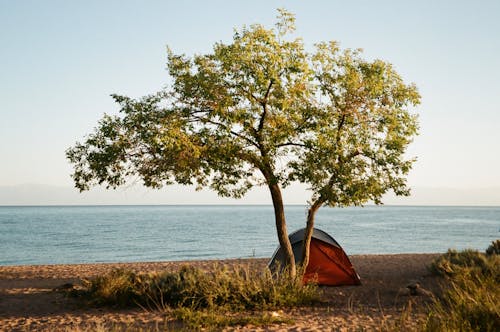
[260,110]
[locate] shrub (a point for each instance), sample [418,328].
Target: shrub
[471,302]
[494,248]
[119,287]
[235,289]
[469,261]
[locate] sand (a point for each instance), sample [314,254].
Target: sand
[30,300]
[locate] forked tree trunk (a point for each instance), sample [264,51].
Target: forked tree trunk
[279,214]
[311,213]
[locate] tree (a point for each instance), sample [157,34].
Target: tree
[261,111]
[355,151]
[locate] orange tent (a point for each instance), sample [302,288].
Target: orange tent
[328,263]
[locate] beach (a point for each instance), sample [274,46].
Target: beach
[32,297]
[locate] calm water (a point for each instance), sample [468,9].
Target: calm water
[71,234]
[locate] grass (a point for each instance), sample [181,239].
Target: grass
[471,303]
[471,300]
[191,320]
[468,262]
[223,297]
[203,319]
[99,327]
[494,248]
[236,289]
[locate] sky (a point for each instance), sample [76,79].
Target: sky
[60,61]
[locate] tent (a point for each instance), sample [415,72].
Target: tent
[328,263]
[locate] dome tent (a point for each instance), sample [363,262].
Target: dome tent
[328,263]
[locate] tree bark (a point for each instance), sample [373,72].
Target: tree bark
[279,214]
[311,213]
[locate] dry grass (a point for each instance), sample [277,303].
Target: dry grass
[223,297]
[471,300]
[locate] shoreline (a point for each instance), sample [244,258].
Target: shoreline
[87,270]
[28,300]
[184,261]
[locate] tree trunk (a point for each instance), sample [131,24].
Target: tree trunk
[311,213]
[279,214]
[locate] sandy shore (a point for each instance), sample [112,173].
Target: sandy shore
[29,300]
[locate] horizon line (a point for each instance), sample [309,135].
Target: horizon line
[249,204]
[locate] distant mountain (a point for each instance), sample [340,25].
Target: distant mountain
[31,194]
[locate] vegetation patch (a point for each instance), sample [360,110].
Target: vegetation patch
[467,262]
[221,297]
[198,319]
[493,249]
[471,301]
[237,289]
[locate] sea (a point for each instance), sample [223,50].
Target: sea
[89,234]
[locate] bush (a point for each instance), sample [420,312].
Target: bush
[236,289]
[494,248]
[467,262]
[471,302]
[119,287]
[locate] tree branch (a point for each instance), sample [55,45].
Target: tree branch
[232,132]
[258,131]
[291,144]
[264,106]
[268,90]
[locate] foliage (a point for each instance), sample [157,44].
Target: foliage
[361,132]
[471,303]
[466,262]
[472,300]
[228,114]
[236,289]
[494,248]
[262,103]
[261,110]
[119,287]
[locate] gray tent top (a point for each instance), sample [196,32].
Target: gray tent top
[298,236]
[296,239]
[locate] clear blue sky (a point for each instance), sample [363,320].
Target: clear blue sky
[60,60]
